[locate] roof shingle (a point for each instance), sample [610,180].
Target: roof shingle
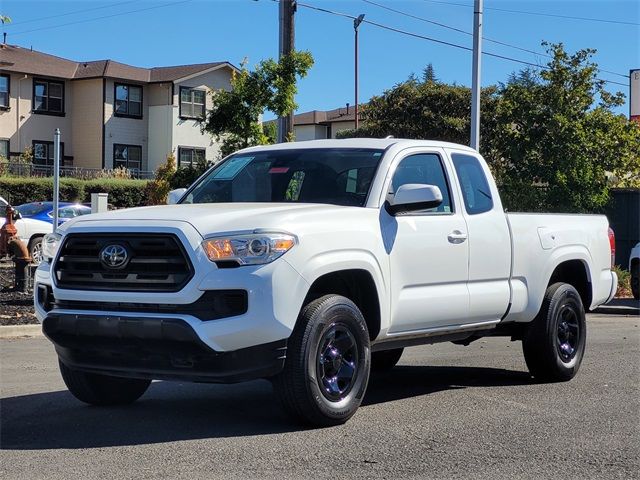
[22,60]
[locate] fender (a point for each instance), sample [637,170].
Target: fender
[536,287]
[352,259]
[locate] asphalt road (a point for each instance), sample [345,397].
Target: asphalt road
[446,411]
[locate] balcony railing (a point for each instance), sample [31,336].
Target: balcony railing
[34,170]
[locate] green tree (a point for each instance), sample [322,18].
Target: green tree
[426,110]
[429,74]
[234,119]
[557,138]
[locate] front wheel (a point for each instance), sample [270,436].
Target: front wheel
[96,389]
[328,361]
[555,341]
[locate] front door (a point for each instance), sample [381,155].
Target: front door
[428,252]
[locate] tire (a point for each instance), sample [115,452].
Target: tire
[555,341]
[328,362]
[35,250]
[96,389]
[385,360]
[635,280]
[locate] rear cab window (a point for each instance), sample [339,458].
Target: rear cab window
[473,183]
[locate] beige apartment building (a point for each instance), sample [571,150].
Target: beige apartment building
[109,114]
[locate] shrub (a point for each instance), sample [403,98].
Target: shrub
[23,190]
[624,282]
[159,187]
[122,193]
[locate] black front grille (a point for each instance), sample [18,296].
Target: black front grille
[156,263]
[212,305]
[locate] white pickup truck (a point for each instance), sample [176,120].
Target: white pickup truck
[312,264]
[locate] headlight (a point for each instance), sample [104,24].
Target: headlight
[50,245]
[249,249]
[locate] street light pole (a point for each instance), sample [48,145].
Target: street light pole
[56,176]
[356,24]
[475,82]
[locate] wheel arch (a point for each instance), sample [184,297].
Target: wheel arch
[574,272]
[356,284]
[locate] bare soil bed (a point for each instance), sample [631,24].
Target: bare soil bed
[16,308]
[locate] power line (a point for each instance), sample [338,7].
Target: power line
[498,42]
[522,12]
[13,24]
[435,40]
[102,17]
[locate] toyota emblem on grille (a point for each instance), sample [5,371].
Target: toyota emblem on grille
[114,256]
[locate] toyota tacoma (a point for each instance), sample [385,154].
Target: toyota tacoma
[312,264]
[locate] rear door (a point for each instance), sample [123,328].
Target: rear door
[489,239]
[428,251]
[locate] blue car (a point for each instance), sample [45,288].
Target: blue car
[44,211]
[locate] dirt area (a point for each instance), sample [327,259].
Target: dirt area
[16,308]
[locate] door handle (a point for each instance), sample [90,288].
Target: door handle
[457,236]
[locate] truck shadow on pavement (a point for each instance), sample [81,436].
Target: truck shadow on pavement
[171,411]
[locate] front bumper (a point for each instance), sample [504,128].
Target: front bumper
[154,348]
[274,297]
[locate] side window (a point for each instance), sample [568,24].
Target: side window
[66,212]
[473,182]
[425,168]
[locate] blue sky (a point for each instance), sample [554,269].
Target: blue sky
[170,32]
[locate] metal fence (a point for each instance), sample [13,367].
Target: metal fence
[35,170]
[623,212]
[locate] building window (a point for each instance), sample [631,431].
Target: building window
[43,152]
[48,97]
[127,156]
[4,91]
[190,156]
[128,100]
[4,148]
[192,103]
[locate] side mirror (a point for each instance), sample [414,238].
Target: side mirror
[16,215]
[175,195]
[413,196]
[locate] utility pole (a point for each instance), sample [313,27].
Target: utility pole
[475,83]
[287,12]
[356,24]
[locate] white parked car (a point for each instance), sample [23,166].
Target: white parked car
[312,263]
[634,268]
[34,220]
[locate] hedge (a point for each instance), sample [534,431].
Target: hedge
[122,193]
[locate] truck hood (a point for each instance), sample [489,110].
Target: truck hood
[211,218]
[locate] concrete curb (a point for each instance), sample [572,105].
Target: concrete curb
[16,331]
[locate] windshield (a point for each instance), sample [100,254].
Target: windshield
[31,209]
[338,176]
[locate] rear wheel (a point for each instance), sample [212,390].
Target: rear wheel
[328,361]
[96,389]
[555,341]
[386,359]
[635,280]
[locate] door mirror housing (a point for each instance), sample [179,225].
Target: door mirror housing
[411,197]
[175,195]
